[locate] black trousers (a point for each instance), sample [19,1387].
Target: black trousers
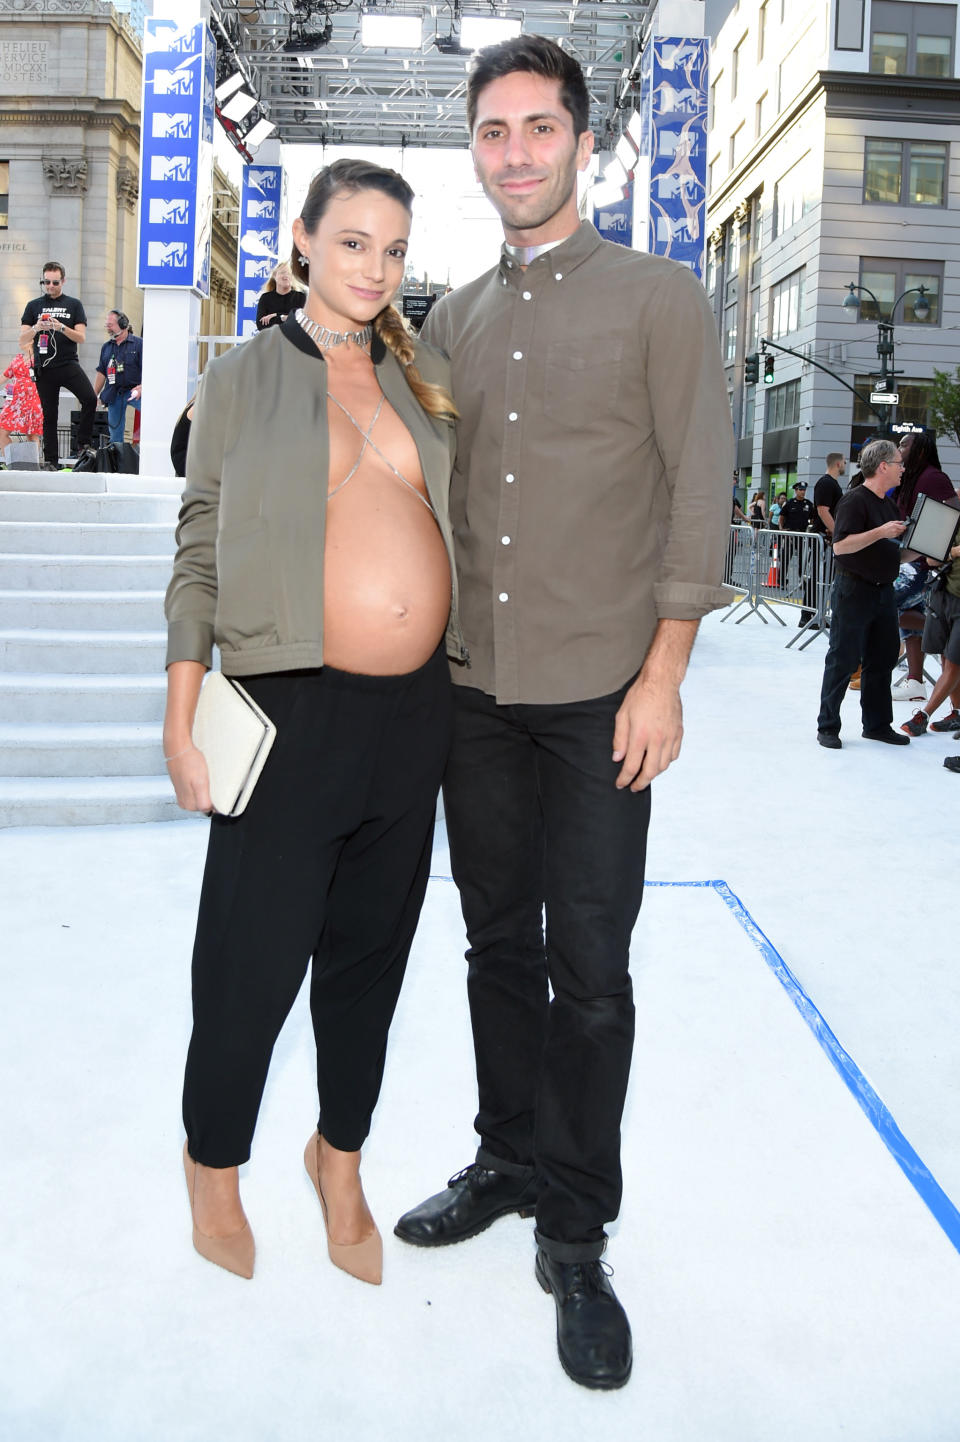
[329,861]
[537,828]
[50,381]
[864,630]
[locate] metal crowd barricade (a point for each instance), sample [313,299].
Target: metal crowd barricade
[780,568]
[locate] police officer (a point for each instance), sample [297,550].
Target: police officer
[797,515]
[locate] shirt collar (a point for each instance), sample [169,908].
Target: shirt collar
[294,332]
[565,257]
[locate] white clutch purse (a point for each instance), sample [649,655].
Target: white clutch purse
[235,737]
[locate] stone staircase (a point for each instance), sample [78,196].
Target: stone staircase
[84,562]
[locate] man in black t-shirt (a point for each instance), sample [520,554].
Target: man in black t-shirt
[863,628]
[826,495]
[57,323]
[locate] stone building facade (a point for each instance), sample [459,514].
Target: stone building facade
[70,94]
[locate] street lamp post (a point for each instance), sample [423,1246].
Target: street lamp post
[885,343]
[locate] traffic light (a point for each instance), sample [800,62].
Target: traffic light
[769,361]
[751,369]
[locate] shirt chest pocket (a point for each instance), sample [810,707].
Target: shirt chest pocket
[582,382]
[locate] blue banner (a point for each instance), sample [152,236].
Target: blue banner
[615,222]
[176,157]
[674,101]
[258,248]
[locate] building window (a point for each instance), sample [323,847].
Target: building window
[737,146]
[783,406]
[786,305]
[4,194]
[762,30]
[889,279]
[763,105]
[912,39]
[730,333]
[791,197]
[714,92]
[749,409]
[905,172]
[735,70]
[710,279]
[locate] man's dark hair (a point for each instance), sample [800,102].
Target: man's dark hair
[538,56]
[55,265]
[922,453]
[834,458]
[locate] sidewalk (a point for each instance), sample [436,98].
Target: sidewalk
[785,1276]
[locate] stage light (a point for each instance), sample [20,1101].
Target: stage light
[625,152]
[605,193]
[635,129]
[258,134]
[615,174]
[228,86]
[476,31]
[238,106]
[381,30]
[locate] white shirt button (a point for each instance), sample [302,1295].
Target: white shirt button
[510,478]
[512,416]
[504,596]
[518,355]
[527,295]
[504,540]
[559,275]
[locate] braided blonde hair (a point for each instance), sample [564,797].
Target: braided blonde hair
[348,176]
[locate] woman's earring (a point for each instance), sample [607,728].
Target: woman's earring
[301,260]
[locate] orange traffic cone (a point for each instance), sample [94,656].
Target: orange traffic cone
[772,573]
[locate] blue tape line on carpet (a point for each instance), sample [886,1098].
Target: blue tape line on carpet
[915,1170]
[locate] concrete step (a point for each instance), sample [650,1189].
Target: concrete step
[91,510]
[71,574]
[81,748]
[53,698]
[95,652]
[90,483]
[86,801]
[42,538]
[82,610]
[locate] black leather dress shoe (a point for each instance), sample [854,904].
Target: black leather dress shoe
[474,1198]
[887,734]
[829,739]
[593,1334]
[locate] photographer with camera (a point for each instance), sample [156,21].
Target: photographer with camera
[57,323]
[119,373]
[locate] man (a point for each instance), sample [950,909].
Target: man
[119,373]
[57,324]
[826,495]
[590,500]
[864,610]
[797,515]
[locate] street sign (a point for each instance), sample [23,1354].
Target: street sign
[884,398]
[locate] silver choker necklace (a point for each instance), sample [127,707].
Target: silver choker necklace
[526,254]
[325,339]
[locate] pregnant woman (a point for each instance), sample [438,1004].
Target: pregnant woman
[314,548]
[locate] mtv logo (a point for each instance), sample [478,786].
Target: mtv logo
[263,179]
[173,82]
[253,268]
[187,42]
[250,298]
[170,167]
[165,255]
[260,242]
[171,127]
[261,209]
[170,212]
[612,220]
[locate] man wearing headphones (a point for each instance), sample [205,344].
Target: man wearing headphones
[119,373]
[57,323]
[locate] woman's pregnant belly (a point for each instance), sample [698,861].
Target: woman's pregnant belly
[386,578]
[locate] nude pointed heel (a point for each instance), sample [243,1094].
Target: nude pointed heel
[363,1260]
[234,1253]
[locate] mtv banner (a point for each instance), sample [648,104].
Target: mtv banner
[176,158]
[673,108]
[615,222]
[258,249]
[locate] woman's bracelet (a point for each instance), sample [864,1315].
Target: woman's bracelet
[177,754]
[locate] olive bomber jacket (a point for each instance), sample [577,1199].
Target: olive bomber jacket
[248,573]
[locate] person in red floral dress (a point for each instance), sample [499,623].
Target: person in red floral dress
[22,414]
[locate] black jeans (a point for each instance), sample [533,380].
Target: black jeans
[536,827]
[863,631]
[330,860]
[50,381]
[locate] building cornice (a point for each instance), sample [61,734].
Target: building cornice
[93,114]
[849,93]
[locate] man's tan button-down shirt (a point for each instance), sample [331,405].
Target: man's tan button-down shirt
[590,493]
